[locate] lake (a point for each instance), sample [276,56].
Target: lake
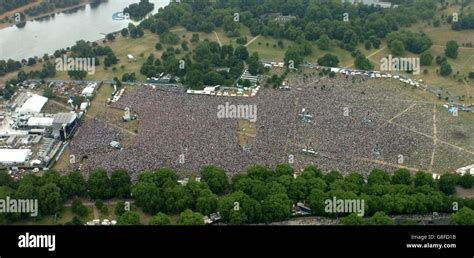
[64,30]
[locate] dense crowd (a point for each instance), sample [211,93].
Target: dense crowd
[349,129]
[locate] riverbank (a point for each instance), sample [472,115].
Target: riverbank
[43,15]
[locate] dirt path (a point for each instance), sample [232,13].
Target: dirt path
[387,164]
[396,116]
[371,55]
[401,113]
[431,137]
[218,39]
[252,40]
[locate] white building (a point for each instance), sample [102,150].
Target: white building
[372,2]
[33,105]
[14,156]
[89,90]
[466,170]
[40,121]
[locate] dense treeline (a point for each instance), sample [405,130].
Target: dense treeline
[314,19]
[7,5]
[204,65]
[48,6]
[140,10]
[9,66]
[465,23]
[52,189]
[259,195]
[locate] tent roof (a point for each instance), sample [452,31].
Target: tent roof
[34,104]
[40,121]
[14,155]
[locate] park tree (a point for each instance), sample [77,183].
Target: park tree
[397,48]
[367,45]
[353,220]
[49,199]
[5,192]
[466,180]
[190,218]
[464,217]
[177,199]
[110,37]
[284,169]
[328,60]
[402,176]
[311,171]
[378,176]
[148,197]
[426,58]
[246,184]
[275,188]
[242,53]
[164,177]
[99,186]
[298,190]
[77,75]
[121,183]
[120,208]
[129,218]
[75,221]
[51,176]
[294,56]
[332,176]
[194,79]
[451,49]
[324,43]
[447,183]
[124,32]
[207,202]
[316,202]
[239,208]
[160,219]
[423,178]
[276,207]
[159,46]
[79,208]
[27,190]
[73,185]
[316,183]
[445,69]
[215,178]
[7,180]
[259,172]
[361,62]
[380,218]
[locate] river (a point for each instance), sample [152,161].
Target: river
[63,30]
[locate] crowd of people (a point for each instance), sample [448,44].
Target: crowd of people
[355,126]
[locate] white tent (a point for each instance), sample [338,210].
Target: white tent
[12,156]
[88,92]
[33,105]
[40,121]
